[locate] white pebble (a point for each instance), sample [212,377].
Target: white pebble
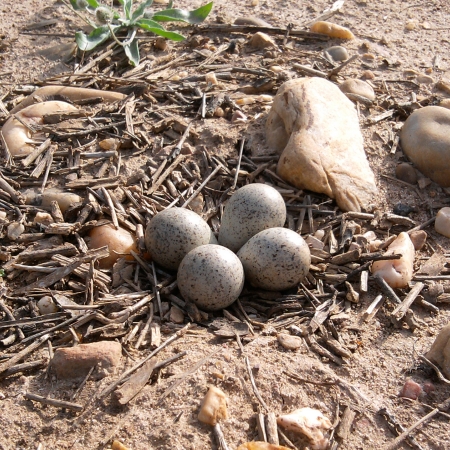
[442,223]
[46,305]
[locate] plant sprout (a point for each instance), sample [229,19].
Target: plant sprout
[107,22]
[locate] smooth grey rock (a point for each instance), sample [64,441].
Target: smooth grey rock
[337,53]
[316,129]
[425,139]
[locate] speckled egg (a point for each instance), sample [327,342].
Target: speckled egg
[211,276]
[46,305]
[275,259]
[173,233]
[251,209]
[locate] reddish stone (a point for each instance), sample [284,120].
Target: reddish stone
[411,390]
[428,387]
[75,362]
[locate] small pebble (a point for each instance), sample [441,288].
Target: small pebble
[444,86]
[337,53]
[109,144]
[2,396]
[358,87]
[46,305]
[406,172]
[214,407]
[429,387]
[418,238]
[424,79]
[14,230]
[411,390]
[442,223]
[411,25]
[261,40]
[176,315]
[368,75]
[219,112]
[161,44]
[276,69]
[403,210]
[117,445]
[211,78]
[42,218]
[289,342]
[369,56]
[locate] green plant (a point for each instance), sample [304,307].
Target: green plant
[108,22]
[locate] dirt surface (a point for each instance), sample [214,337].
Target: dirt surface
[391,38]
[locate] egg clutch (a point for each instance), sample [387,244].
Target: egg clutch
[252,245]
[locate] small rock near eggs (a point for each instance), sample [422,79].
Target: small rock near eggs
[251,209]
[46,305]
[173,233]
[275,259]
[120,242]
[211,276]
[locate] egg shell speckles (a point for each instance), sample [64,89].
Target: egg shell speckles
[173,233]
[275,259]
[251,209]
[211,276]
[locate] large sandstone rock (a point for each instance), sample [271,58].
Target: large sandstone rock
[440,351]
[75,362]
[316,128]
[425,139]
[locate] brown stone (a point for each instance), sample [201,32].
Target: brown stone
[316,129]
[418,238]
[261,40]
[289,342]
[405,172]
[75,362]
[411,390]
[176,315]
[425,139]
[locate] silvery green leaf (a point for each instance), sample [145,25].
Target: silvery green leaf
[96,37]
